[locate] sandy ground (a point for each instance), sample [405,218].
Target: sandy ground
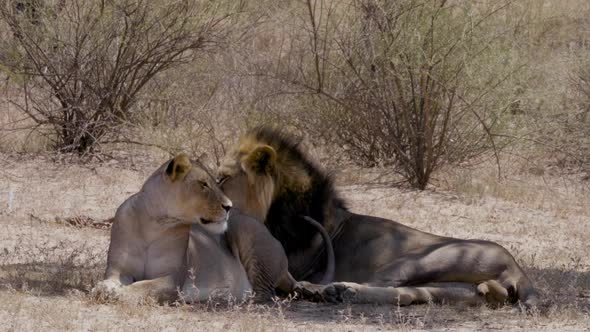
[47,265]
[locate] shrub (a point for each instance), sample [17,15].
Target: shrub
[81,64]
[410,83]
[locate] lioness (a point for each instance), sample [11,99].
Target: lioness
[153,250]
[377,260]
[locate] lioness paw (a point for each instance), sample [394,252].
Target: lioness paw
[104,291]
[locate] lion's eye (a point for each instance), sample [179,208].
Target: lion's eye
[203,184]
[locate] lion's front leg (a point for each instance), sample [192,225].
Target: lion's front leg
[161,289]
[350,292]
[353,293]
[106,290]
[311,292]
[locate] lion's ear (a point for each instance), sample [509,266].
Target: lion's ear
[260,161]
[178,167]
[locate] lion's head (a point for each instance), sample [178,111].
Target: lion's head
[267,176]
[179,192]
[257,170]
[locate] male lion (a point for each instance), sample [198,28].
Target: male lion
[377,260]
[153,250]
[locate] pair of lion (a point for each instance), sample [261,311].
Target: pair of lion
[177,237]
[268,178]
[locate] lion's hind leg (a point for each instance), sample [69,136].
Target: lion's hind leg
[486,265]
[349,292]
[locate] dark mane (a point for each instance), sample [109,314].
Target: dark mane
[317,201]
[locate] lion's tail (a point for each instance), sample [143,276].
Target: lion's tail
[331,265]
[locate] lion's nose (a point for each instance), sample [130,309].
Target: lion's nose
[226,206]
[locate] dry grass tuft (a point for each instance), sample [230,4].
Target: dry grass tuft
[85,221]
[49,269]
[77,221]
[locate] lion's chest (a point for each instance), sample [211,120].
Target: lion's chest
[164,257]
[213,269]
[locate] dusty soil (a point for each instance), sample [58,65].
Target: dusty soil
[53,249]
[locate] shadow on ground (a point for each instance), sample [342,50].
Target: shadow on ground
[561,288]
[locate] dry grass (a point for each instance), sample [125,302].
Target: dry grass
[54,209]
[47,265]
